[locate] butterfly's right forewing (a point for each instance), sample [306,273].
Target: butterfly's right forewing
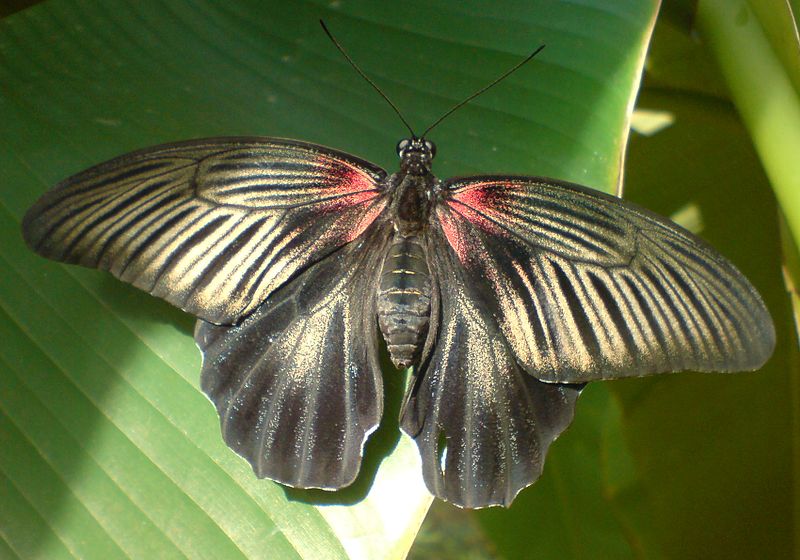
[586,286]
[212,226]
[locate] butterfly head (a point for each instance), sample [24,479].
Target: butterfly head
[416,155]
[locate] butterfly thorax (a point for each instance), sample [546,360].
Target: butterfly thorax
[411,186]
[404,292]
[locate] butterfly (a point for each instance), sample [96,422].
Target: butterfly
[505,293]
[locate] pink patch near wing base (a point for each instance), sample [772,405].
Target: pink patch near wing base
[343,178]
[452,233]
[480,205]
[356,188]
[485,197]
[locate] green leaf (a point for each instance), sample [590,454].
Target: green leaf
[109,448]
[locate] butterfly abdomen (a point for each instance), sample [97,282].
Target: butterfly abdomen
[404,299]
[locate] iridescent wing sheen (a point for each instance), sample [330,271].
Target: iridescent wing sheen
[482,424]
[212,226]
[297,384]
[587,286]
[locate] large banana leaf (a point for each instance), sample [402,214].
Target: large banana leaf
[108,447]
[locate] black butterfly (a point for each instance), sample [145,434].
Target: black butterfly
[505,293]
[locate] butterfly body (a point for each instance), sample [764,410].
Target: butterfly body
[507,294]
[404,294]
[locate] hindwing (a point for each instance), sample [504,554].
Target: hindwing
[297,384]
[482,423]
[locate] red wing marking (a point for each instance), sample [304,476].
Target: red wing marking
[345,178]
[356,188]
[481,206]
[484,196]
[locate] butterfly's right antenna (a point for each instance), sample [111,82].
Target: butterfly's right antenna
[370,82]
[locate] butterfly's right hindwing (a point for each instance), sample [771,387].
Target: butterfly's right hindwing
[297,384]
[482,424]
[212,226]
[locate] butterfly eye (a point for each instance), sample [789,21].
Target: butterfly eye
[431,148]
[402,146]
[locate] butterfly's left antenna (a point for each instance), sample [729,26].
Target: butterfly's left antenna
[370,82]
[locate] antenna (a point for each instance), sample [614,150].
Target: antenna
[370,82]
[483,89]
[496,81]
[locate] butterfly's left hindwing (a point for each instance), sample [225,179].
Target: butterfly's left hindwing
[213,226]
[482,424]
[297,384]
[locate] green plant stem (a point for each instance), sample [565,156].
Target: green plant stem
[763,94]
[769,104]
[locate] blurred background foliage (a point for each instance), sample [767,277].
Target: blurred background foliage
[107,447]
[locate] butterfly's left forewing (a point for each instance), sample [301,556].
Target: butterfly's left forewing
[213,226]
[587,286]
[297,384]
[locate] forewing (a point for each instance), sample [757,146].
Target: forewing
[212,226]
[481,423]
[587,286]
[297,384]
